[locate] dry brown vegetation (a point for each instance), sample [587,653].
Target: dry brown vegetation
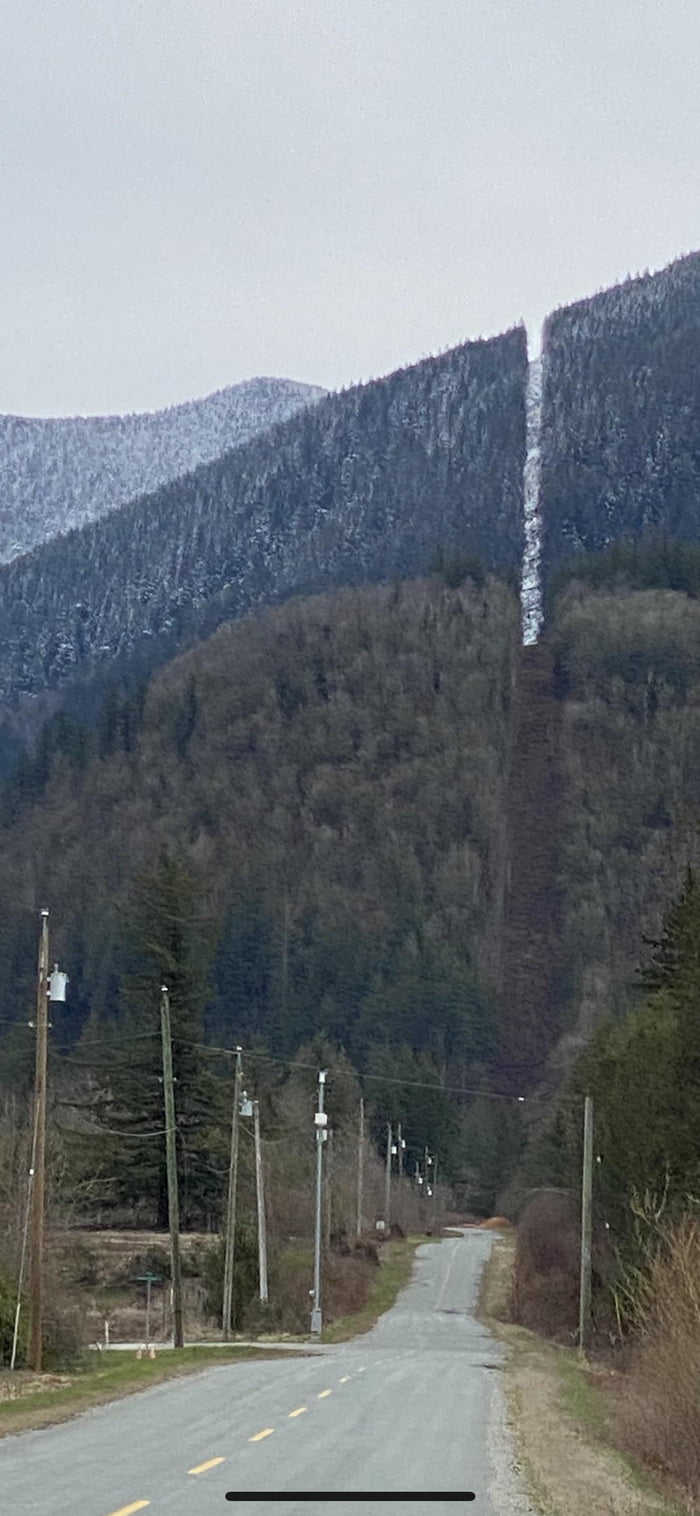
[563,1414]
[545,1276]
[658,1416]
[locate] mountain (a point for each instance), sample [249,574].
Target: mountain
[335,770]
[59,474]
[620,443]
[362,486]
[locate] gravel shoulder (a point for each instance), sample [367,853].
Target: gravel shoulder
[557,1415]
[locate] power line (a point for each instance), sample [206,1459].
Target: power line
[291,1063]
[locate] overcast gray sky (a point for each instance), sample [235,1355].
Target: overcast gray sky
[197,191]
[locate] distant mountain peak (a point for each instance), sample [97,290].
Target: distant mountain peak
[57,473]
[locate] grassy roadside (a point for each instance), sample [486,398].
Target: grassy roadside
[119,1374]
[560,1415]
[394,1272]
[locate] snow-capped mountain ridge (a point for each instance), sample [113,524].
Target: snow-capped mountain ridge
[60,473]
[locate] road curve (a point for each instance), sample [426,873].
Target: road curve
[414,1406]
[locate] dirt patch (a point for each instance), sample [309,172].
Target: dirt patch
[21,1382]
[560,1418]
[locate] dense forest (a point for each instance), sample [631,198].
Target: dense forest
[620,445]
[359,487]
[359,780]
[58,473]
[333,772]
[627,673]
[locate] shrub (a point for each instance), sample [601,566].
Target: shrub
[658,1418]
[546,1276]
[8,1300]
[245,1275]
[153,1260]
[64,1336]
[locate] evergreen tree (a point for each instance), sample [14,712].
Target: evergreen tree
[167,937]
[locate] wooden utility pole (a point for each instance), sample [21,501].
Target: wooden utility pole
[584,1315]
[230,1242]
[360,1167]
[36,1271]
[387,1182]
[260,1192]
[171,1162]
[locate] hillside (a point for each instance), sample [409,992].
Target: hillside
[335,770]
[620,445]
[627,673]
[61,473]
[359,487]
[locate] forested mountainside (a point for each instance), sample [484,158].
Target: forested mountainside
[410,832]
[56,474]
[627,676]
[620,444]
[362,486]
[334,770]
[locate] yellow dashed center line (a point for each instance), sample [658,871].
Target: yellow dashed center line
[344,1379]
[127,1510]
[323,1394]
[361,1371]
[266,1432]
[201,1468]
[299,1411]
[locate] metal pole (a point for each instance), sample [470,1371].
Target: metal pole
[230,1243]
[36,1273]
[171,1163]
[360,1167]
[316,1317]
[400,1175]
[260,1192]
[387,1182]
[584,1316]
[329,1192]
[25,1238]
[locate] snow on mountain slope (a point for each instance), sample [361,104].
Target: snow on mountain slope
[531,576]
[58,474]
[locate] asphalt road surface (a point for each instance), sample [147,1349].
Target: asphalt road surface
[413,1407]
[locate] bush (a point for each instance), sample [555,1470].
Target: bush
[245,1275]
[658,1418]
[8,1301]
[546,1275]
[153,1260]
[64,1336]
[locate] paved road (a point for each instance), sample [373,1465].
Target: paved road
[416,1405]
